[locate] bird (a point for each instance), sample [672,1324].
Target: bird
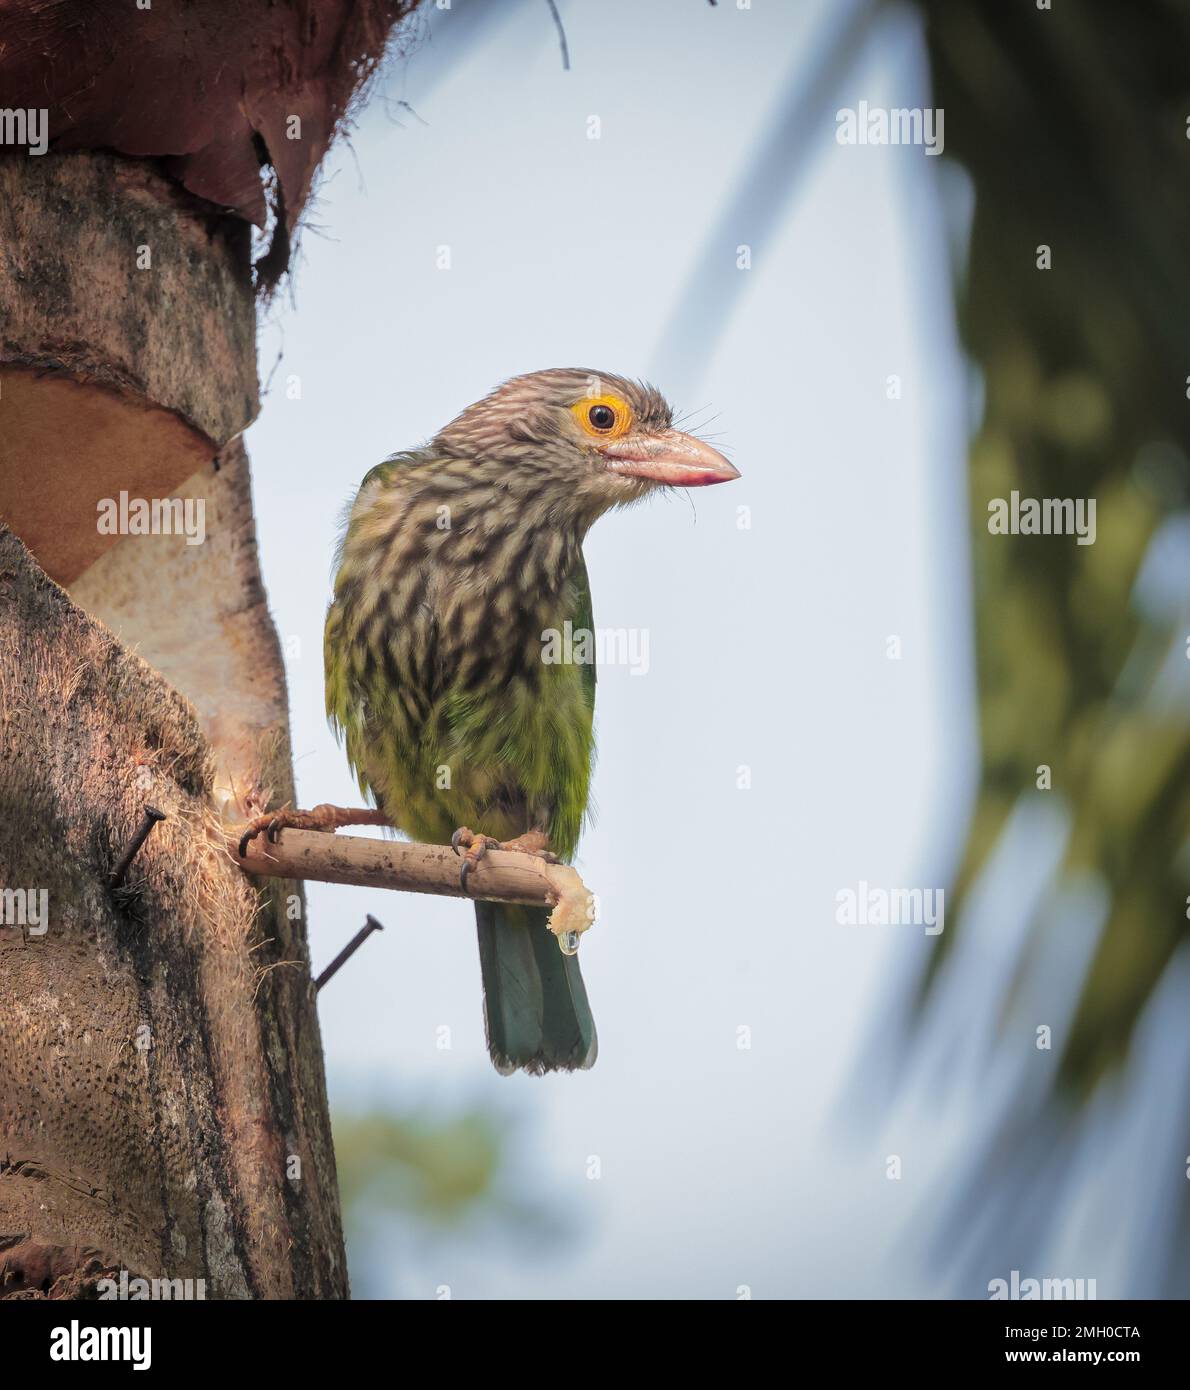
[456,561]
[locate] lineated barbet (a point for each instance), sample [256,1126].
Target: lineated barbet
[458,558]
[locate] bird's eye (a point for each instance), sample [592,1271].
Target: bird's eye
[603,417]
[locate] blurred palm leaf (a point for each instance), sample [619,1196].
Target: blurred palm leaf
[1072,124]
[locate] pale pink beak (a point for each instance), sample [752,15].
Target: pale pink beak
[671,457]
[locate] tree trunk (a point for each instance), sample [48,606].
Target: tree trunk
[162,1099]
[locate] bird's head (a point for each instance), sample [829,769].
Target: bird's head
[601,439]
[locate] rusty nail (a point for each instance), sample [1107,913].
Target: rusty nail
[152,816]
[349,950]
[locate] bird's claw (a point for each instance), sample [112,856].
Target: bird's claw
[532,842]
[271,823]
[326,818]
[476,847]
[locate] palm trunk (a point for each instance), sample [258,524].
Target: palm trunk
[162,1099]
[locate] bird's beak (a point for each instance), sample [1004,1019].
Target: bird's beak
[671,457]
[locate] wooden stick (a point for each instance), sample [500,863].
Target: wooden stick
[502,876]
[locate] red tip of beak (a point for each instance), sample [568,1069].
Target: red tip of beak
[672,458]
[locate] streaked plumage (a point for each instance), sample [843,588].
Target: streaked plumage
[455,560]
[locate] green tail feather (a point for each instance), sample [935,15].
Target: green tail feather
[534,1001]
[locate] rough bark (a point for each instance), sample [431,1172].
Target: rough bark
[159,1054]
[171,344]
[162,1098]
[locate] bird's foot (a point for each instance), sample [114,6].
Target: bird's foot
[325,817]
[534,842]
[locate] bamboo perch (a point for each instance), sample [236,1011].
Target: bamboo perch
[503,876]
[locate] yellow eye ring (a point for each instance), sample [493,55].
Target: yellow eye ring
[603,417]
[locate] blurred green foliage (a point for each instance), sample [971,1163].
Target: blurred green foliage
[441,1171]
[426,1177]
[1072,123]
